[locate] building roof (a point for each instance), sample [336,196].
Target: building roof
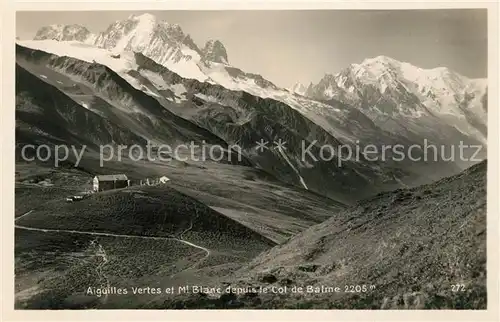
[111,177]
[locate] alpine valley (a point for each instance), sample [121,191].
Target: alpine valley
[254,217]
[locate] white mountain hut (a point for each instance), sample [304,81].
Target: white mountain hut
[109,182]
[164,179]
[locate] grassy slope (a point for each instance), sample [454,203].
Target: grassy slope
[53,269]
[46,262]
[250,196]
[148,211]
[36,185]
[412,245]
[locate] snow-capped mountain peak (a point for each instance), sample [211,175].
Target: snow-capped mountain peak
[388,74]
[380,60]
[385,87]
[143,16]
[298,88]
[380,86]
[159,40]
[64,33]
[215,51]
[136,32]
[385,59]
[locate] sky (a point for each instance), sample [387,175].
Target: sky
[286,47]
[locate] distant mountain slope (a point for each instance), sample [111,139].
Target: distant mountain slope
[103,91]
[218,109]
[231,118]
[144,79]
[45,114]
[244,119]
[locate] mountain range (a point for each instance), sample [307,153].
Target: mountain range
[260,215]
[383,86]
[161,41]
[380,101]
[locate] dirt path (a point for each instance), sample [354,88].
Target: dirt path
[52,186]
[207,252]
[94,233]
[29,212]
[99,269]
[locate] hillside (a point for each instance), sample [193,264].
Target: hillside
[87,82]
[152,236]
[45,114]
[146,211]
[409,248]
[131,237]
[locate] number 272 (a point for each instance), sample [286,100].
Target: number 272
[457,287]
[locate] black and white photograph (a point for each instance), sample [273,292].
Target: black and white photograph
[251,159]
